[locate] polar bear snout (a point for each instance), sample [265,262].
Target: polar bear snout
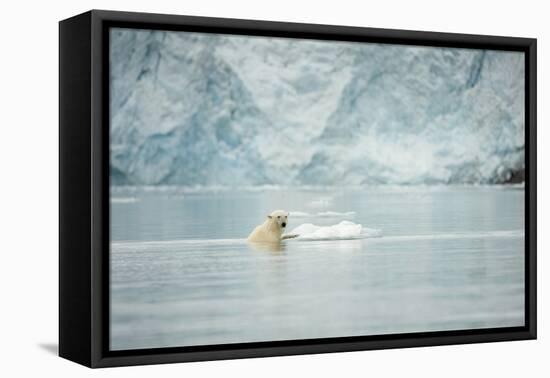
[283,224]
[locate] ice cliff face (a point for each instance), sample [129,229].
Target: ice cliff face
[199,109]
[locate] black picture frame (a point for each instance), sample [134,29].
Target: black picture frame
[84,188]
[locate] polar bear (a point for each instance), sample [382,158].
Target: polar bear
[271,231]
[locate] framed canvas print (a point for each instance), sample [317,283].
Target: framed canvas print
[234,188]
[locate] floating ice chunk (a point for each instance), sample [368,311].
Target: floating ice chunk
[303,214]
[321,202]
[300,214]
[124,200]
[344,230]
[336,214]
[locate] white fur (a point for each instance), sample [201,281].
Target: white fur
[271,231]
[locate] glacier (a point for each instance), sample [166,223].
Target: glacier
[199,109]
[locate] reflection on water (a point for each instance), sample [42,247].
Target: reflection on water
[268,247]
[183,274]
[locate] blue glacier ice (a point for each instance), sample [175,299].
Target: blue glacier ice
[206,109]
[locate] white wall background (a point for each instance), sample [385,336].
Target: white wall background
[29,186]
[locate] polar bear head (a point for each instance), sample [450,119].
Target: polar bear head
[280,217]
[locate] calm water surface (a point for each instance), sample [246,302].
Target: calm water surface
[182,273]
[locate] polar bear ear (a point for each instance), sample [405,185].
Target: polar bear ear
[269,216]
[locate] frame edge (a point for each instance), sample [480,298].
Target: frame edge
[99,359]
[531,252]
[75,273]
